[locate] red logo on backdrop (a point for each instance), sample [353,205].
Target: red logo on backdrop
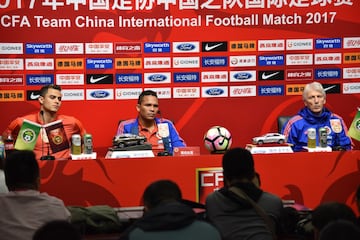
[127,48]
[208,180]
[11,80]
[299,74]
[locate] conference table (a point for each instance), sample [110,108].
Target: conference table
[307,178]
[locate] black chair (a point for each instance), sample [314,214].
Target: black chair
[281,121]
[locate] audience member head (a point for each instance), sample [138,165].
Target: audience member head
[328,212]
[57,230]
[159,192]
[22,171]
[340,230]
[238,165]
[314,97]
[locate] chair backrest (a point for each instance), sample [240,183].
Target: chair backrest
[281,121]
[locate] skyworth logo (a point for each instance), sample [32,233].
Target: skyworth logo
[157,47]
[271,60]
[328,43]
[99,63]
[39,48]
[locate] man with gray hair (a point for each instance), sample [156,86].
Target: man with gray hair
[315,115]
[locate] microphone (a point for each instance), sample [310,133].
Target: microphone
[48,156]
[167,146]
[337,146]
[161,118]
[163,128]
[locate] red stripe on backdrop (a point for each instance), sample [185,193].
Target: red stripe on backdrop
[185,119]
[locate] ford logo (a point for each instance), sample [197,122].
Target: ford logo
[214,91]
[186,47]
[100,94]
[157,78]
[242,76]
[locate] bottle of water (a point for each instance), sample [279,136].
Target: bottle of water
[9,143]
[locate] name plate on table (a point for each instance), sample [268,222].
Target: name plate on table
[186,151]
[319,149]
[129,154]
[83,156]
[265,149]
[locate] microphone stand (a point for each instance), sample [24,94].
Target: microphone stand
[48,156]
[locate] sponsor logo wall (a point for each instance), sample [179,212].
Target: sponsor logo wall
[249,54]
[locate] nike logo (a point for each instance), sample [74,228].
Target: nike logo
[265,76]
[209,48]
[95,80]
[328,88]
[34,96]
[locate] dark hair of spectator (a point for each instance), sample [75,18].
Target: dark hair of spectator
[340,229]
[21,170]
[57,230]
[238,163]
[161,191]
[331,211]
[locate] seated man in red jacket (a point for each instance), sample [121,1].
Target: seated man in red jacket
[50,103]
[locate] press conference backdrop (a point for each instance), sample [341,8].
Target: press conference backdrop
[239,64]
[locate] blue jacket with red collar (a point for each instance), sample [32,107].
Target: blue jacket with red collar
[295,130]
[132,126]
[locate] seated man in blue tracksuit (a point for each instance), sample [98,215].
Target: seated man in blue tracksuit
[159,132]
[315,115]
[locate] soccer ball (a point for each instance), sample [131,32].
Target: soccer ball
[217,139]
